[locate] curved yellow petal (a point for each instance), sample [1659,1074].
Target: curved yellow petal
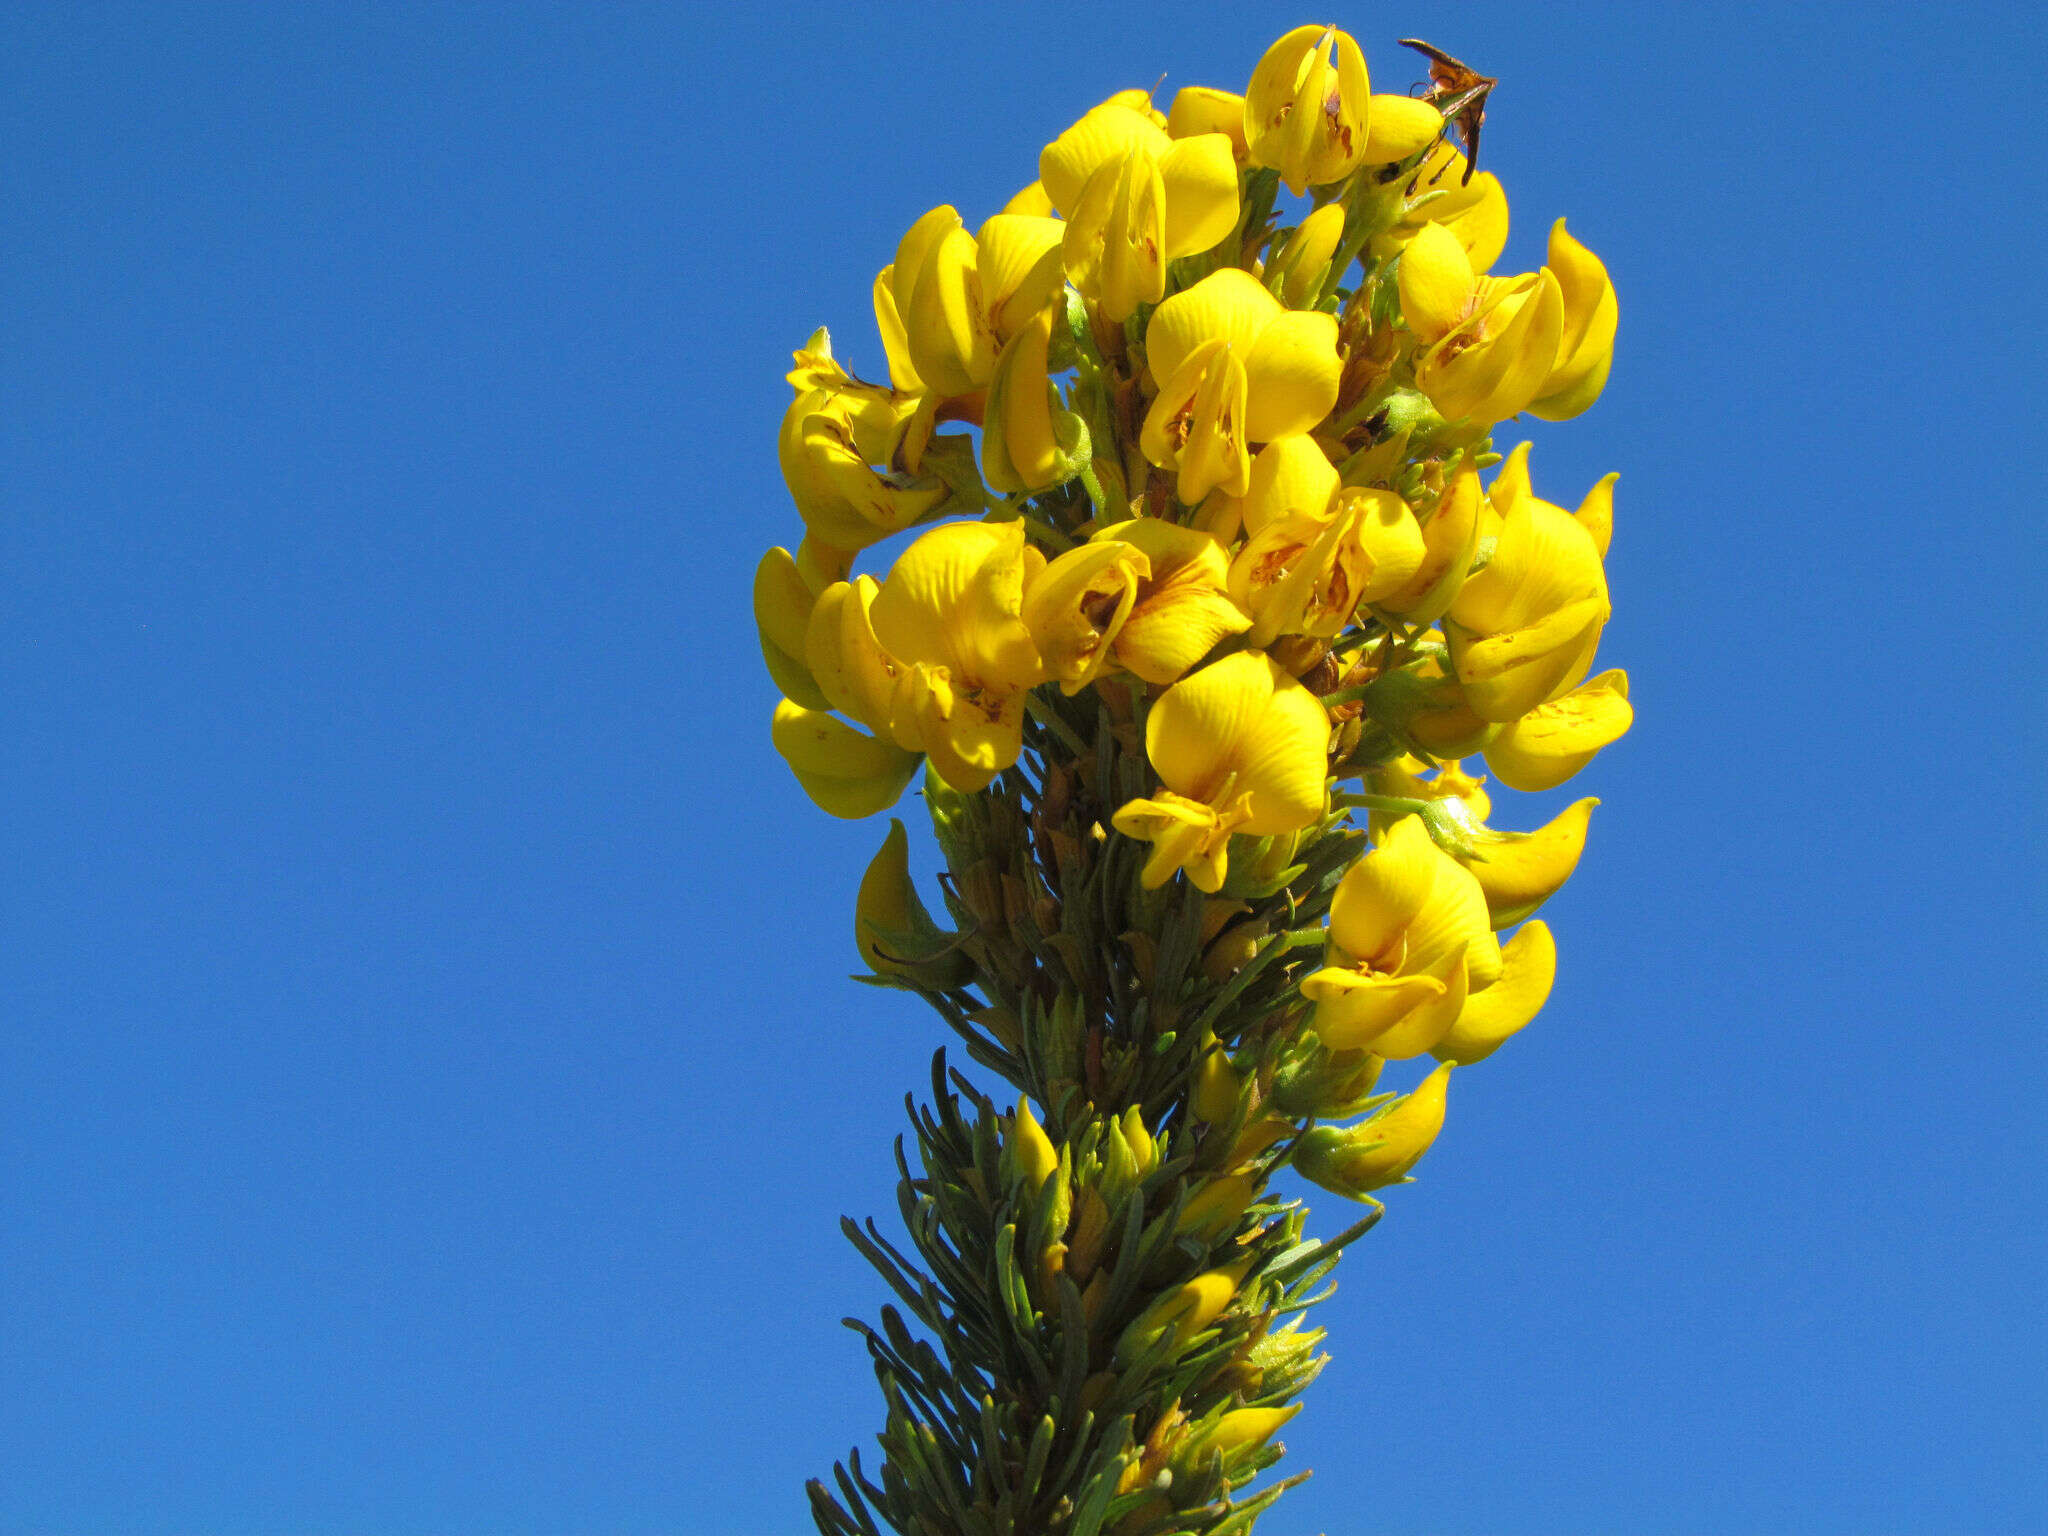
[1596,514]
[1450,539]
[946,322]
[1585,349]
[1030,201]
[1079,605]
[1528,968]
[1355,1160]
[1554,741]
[1397,127]
[1436,282]
[855,675]
[895,341]
[848,774]
[955,599]
[1290,476]
[1018,259]
[1298,272]
[1356,1008]
[1381,893]
[1519,871]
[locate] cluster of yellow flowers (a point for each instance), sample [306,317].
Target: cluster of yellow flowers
[1219,552]
[1232,467]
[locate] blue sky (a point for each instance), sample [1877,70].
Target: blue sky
[430,1084]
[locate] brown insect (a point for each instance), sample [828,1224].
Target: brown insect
[1458,91]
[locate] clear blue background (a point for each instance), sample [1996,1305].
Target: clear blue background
[429,1082]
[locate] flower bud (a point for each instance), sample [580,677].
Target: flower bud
[1356,1160]
[892,929]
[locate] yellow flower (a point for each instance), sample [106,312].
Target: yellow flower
[1234,367]
[1305,111]
[950,300]
[848,774]
[1307,572]
[1487,344]
[1409,940]
[1136,198]
[1354,1160]
[1524,629]
[1528,966]
[852,454]
[1554,741]
[1146,593]
[950,614]
[1239,746]
[1585,350]
[1032,1148]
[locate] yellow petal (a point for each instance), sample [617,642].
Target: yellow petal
[1397,127]
[1506,675]
[1452,920]
[1292,374]
[1020,446]
[895,342]
[1199,109]
[1019,264]
[1290,476]
[1196,425]
[1031,201]
[1357,1159]
[1585,349]
[1542,561]
[1303,264]
[1450,538]
[1596,514]
[1519,871]
[1228,305]
[853,672]
[1185,834]
[1355,1009]
[1436,282]
[915,246]
[1554,741]
[1199,176]
[1380,895]
[848,774]
[955,599]
[1103,135]
[1182,609]
[1528,967]
[1285,766]
[946,321]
